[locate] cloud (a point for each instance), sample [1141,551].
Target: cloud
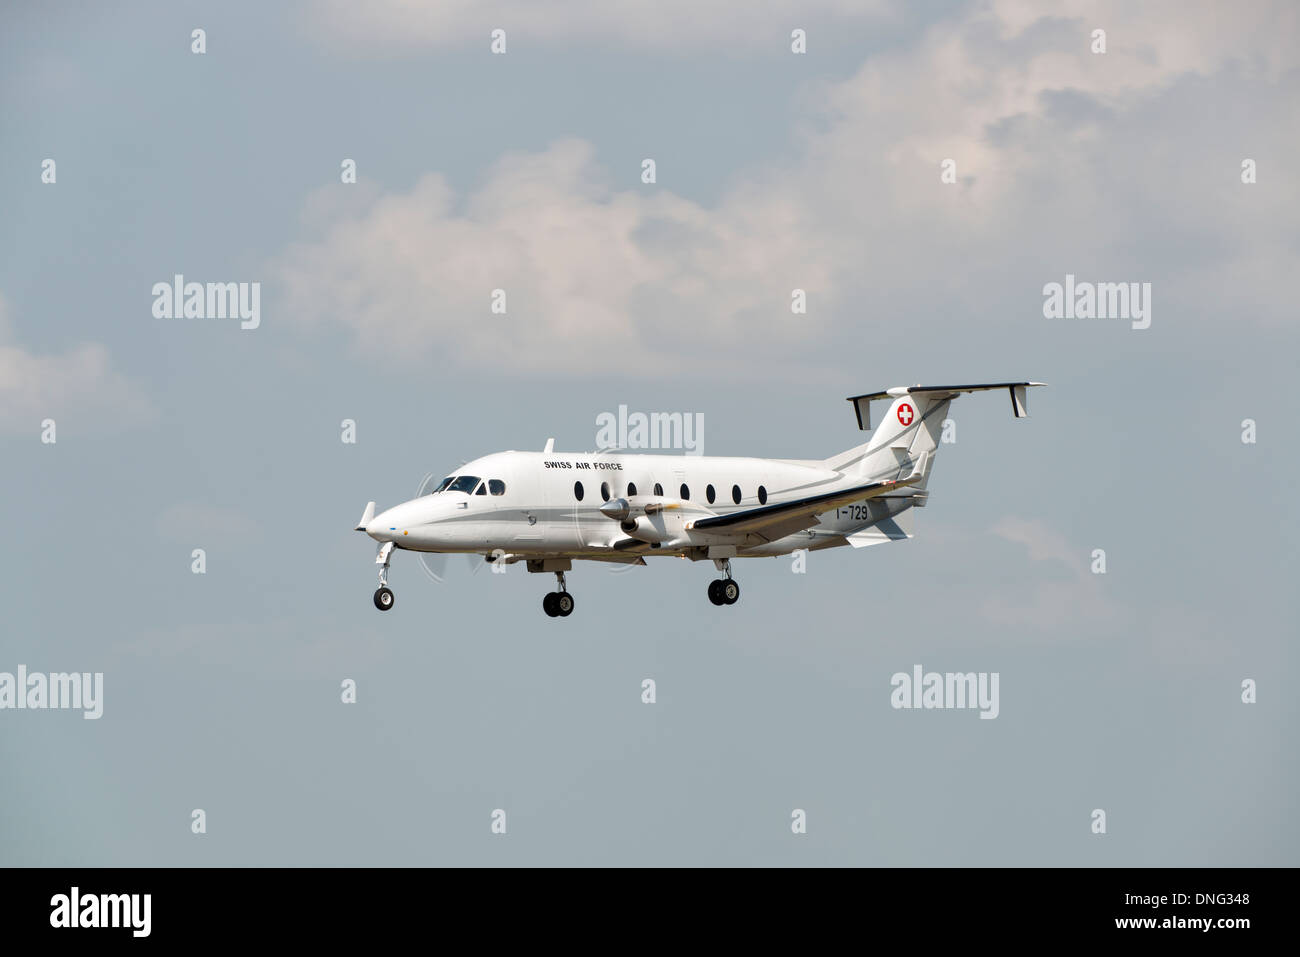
[78,384]
[628,280]
[1067,161]
[1079,603]
[1044,544]
[1051,606]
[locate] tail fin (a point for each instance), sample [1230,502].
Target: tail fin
[908,436]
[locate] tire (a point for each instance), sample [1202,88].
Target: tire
[563,604]
[548,604]
[715,591]
[384,599]
[730,591]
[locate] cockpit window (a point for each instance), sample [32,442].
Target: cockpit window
[464,483]
[482,489]
[442,485]
[496,487]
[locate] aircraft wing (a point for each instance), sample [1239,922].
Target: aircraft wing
[776,521]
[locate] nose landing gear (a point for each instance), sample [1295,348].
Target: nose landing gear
[384,595]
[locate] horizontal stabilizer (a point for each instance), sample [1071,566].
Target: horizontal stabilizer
[893,529]
[862,403]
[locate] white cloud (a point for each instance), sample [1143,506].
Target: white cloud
[78,384]
[593,276]
[1050,607]
[636,280]
[1044,543]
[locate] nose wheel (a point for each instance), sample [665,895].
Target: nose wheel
[724,591]
[558,604]
[384,595]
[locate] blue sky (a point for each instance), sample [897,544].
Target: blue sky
[775,171]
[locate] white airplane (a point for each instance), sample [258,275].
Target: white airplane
[548,508]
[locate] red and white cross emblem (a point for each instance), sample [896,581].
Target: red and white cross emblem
[905,414]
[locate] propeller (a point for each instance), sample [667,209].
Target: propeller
[435,563]
[621,509]
[624,511]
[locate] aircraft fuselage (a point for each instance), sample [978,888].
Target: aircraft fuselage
[526,504]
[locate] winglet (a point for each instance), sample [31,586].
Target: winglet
[367,517]
[1018,408]
[550,447]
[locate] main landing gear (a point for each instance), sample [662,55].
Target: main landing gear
[558,604]
[384,595]
[724,591]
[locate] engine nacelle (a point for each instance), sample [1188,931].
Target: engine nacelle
[648,529]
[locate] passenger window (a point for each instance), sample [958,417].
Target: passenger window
[686,492]
[709,493]
[577,491]
[762,495]
[659,489]
[604,491]
[496,487]
[631,488]
[735,494]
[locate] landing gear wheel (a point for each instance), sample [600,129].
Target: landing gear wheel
[384,599]
[563,604]
[729,591]
[715,591]
[548,604]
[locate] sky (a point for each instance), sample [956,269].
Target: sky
[921,172]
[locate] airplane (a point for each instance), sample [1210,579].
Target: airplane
[548,509]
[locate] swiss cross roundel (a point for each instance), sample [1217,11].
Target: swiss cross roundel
[905,414]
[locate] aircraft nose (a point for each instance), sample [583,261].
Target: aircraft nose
[384,526]
[392,524]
